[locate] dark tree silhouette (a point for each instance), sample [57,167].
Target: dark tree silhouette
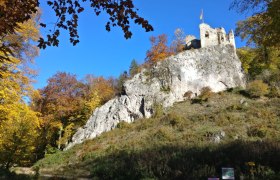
[12,12]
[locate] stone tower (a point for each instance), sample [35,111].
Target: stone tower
[232,38]
[212,37]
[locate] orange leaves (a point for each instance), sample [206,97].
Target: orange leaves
[66,103]
[103,87]
[159,50]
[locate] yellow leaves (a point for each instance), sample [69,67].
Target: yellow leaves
[255,61]
[21,113]
[29,29]
[104,90]
[274,58]
[93,102]
[67,134]
[20,49]
[19,125]
[103,87]
[56,124]
[2,95]
[18,133]
[10,92]
[246,56]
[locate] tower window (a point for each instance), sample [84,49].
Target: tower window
[207,34]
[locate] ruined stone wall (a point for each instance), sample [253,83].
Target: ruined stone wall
[232,39]
[211,37]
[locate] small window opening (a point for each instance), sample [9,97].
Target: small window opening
[207,34]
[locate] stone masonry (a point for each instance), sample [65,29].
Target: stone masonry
[217,36]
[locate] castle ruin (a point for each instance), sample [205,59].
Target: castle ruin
[210,37]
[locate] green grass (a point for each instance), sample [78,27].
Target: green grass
[179,143]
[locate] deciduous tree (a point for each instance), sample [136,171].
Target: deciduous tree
[103,88]
[66,103]
[61,103]
[262,28]
[178,43]
[12,14]
[257,60]
[19,125]
[159,50]
[262,32]
[18,134]
[18,47]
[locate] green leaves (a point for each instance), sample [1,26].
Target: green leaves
[262,28]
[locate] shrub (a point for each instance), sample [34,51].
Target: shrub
[257,131]
[197,101]
[257,88]
[123,125]
[205,93]
[264,76]
[272,78]
[51,150]
[234,107]
[274,92]
[275,79]
[188,95]
[235,90]
[172,119]
[157,110]
[145,124]
[163,134]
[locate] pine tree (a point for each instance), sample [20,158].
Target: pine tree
[134,68]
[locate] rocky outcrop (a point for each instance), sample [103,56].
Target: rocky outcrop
[166,83]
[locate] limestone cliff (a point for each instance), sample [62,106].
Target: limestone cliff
[166,83]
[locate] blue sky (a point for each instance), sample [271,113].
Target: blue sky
[109,53]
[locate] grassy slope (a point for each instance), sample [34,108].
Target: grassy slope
[179,143]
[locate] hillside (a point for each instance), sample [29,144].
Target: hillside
[187,141]
[166,83]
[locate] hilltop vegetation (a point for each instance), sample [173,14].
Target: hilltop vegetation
[192,140]
[188,141]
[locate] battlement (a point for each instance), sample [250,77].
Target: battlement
[210,36]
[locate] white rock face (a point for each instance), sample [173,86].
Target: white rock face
[166,83]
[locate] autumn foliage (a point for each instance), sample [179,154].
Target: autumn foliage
[66,103]
[159,50]
[102,87]
[19,124]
